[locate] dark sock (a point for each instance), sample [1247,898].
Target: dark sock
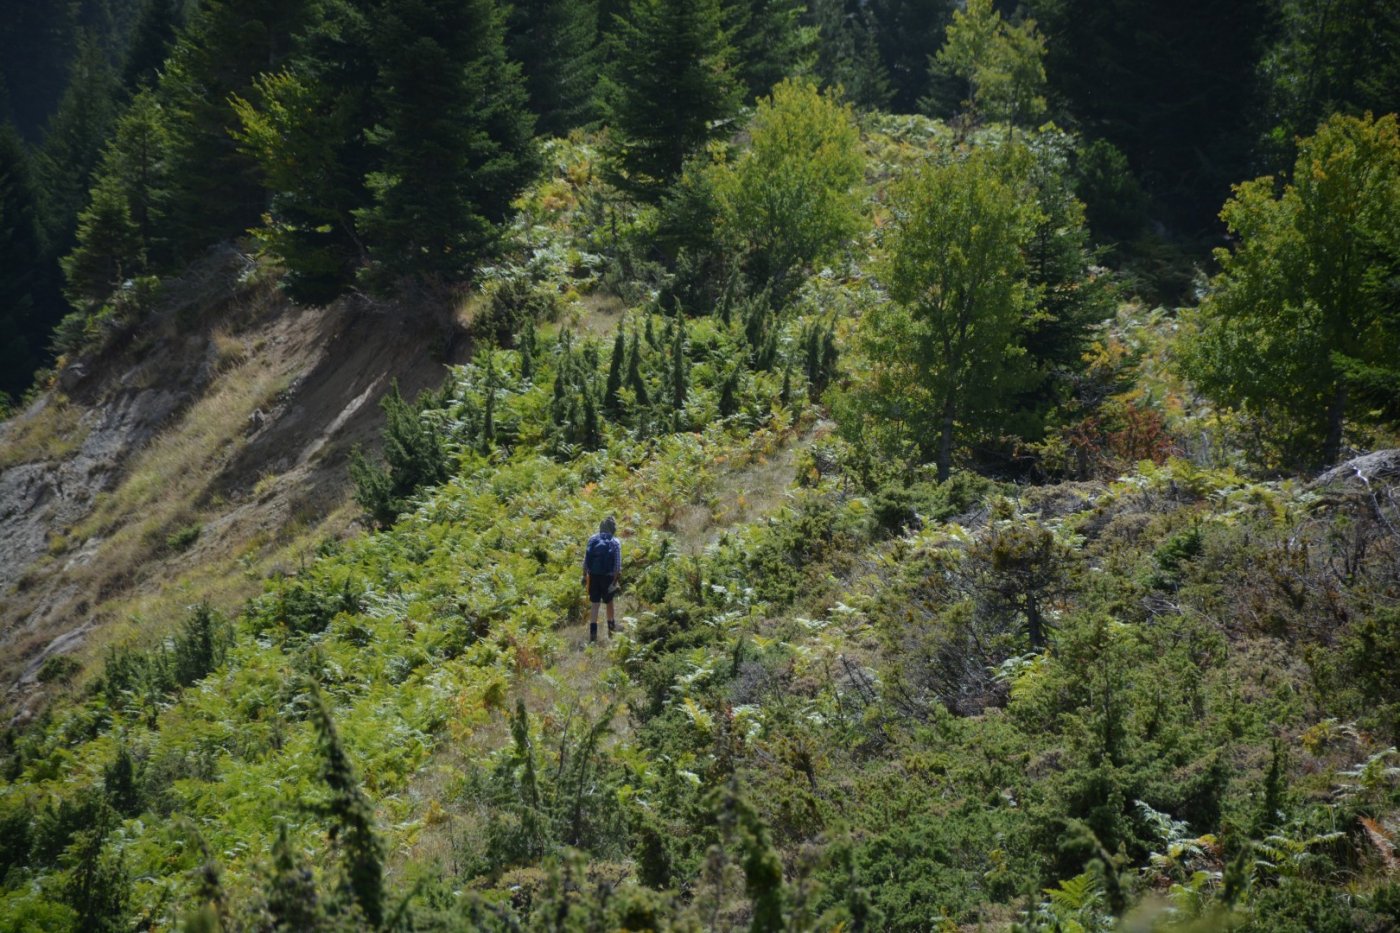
[592,631]
[611,627]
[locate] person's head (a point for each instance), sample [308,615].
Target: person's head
[607,526]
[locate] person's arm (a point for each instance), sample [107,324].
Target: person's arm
[617,562]
[585,565]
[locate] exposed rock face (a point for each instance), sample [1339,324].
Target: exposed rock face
[1381,465]
[45,496]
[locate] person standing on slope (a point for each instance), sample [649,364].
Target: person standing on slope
[602,568]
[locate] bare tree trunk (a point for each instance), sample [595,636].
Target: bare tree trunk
[1336,416]
[945,439]
[1035,625]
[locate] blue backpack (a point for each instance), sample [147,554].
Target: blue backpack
[599,559]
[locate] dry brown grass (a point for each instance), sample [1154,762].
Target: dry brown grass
[52,433]
[134,584]
[229,349]
[174,468]
[246,557]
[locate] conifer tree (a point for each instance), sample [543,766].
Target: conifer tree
[612,404]
[729,393]
[847,53]
[352,816]
[527,352]
[292,899]
[414,457]
[454,144]
[1070,297]
[770,42]
[906,32]
[216,190]
[109,247]
[592,436]
[488,420]
[1329,56]
[22,274]
[635,382]
[304,127]
[120,229]
[669,88]
[679,378]
[555,43]
[151,39]
[73,138]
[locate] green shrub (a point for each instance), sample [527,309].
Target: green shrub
[414,453]
[182,538]
[514,305]
[58,668]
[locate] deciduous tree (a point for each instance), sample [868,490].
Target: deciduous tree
[793,196]
[948,345]
[1300,327]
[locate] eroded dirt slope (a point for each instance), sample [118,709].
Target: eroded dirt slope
[198,454]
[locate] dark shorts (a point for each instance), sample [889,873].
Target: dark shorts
[598,589]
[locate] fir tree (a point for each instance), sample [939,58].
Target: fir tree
[812,357]
[151,40]
[98,887]
[729,393]
[488,420]
[352,816]
[216,190]
[612,403]
[679,378]
[119,230]
[292,899]
[22,274]
[635,382]
[555,43]
[304,127]
[454,143]
[414,458]
[669,88]
[109,248]
[592,436]
[829,357]
[847,53]
[906,32]
[527,352]
[558,403]
[73,138]
[770,42]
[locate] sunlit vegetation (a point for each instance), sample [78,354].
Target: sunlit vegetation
[964,585]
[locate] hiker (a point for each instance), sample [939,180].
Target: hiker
[602,567]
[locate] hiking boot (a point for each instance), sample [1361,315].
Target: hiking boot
[592,631]
[612,628]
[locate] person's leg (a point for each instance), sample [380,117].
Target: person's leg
[593,621]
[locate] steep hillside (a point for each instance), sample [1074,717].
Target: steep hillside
[185,463]
[1078,664]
